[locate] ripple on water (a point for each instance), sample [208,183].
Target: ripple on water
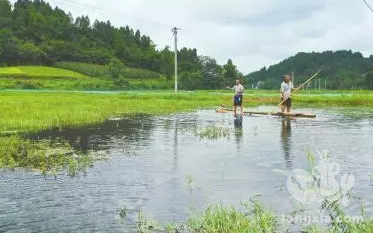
[159,166]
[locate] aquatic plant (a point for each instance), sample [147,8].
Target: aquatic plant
[212,132]
[44,156]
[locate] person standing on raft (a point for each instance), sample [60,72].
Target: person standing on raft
[286,89]
[237,99]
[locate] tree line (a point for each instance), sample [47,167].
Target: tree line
[34,33]
[342,69]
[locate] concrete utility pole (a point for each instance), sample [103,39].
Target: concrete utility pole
[292,77]
[319,84]
[175,30]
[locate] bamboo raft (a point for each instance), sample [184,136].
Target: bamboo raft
[303,115]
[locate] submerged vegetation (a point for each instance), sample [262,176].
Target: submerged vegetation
[212,132]
[42,155]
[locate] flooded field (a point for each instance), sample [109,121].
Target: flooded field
[169,167]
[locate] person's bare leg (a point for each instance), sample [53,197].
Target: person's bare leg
[235,110]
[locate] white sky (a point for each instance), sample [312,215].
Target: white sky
[254,33]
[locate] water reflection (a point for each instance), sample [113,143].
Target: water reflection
[286,141]
[238,131]
[135,130]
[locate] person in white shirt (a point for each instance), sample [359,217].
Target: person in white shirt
[286,89]
[237,99]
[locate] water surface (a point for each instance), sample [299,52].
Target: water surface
[159,166]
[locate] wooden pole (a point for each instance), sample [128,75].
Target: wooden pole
[301,86]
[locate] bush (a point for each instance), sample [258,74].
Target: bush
[29,84]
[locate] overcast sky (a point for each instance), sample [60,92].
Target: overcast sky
[254,33]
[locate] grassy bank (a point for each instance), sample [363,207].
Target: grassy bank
[30,111]
[251,217]
[34,111]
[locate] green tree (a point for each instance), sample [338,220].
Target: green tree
[116,68]
[230,72]
[32,54]
[5,14]
[212,73]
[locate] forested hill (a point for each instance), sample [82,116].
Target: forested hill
[34,33]
[341,70]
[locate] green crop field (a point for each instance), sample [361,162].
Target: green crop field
[75,76]
[101,70]
[39,72]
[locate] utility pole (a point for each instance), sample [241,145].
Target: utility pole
[319,84]
[325,84]
[175,30]
[292,77]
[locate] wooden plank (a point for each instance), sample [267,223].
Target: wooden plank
[305,115]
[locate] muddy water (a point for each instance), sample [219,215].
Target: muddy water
[160,166]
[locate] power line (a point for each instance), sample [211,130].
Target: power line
[367,4]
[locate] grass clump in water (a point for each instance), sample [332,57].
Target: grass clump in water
[252,217]
[212,132]
[42,155]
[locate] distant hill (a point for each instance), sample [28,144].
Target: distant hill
[32,32]
[342,69]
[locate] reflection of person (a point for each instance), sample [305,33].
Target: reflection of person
[285,141]
[237,100]
[286,89]
[238,132]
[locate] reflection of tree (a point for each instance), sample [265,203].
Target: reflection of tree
[97,137]
[286,141]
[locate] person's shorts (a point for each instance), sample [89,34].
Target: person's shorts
[237,100]
[287,103]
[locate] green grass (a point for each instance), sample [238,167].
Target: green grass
[24,112]
[251,217]
[93,84]
[39,72]
[75,76]
[101,70]
[33,111]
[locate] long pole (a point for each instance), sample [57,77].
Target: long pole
[301,86]
[175,30]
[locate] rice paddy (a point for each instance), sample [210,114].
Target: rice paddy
[39,72]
